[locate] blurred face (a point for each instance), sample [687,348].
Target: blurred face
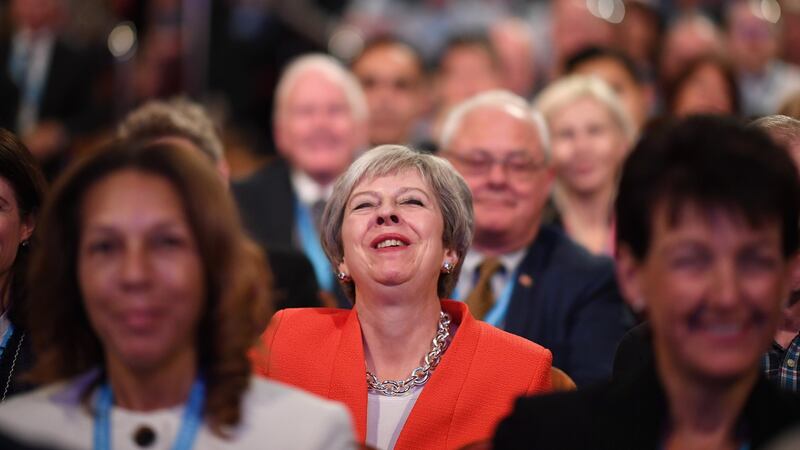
[629,91]
[13,228]
[713,287]
[392,234]
[684,43]
[392,81]
[139,271]
[500,157]
[316,129]
[588,146]
[466,70]
[752,41]
[36,14]
[705,91]
[574,28]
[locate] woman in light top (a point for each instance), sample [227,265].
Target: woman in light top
[145,297]
[590,133]
[416,370]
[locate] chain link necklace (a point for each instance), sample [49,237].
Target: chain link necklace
[420,375]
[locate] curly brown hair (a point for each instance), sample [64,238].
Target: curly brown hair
[236,276]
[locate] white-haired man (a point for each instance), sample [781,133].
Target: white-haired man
[319,126]
[528,279]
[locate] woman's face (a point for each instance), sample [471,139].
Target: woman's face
[13,228]
[392,234]
[713,287]
[704,92]
[139,270]
[588,146]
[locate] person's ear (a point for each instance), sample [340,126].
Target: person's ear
[629,274]
[27,226]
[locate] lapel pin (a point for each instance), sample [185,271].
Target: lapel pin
[526,280]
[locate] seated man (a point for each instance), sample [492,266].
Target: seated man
[528,279]
[707,257]
[320,125]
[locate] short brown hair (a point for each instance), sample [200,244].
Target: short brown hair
[235,310]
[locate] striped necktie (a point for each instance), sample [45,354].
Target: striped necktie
[481,299]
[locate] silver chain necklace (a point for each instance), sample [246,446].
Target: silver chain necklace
[420,375]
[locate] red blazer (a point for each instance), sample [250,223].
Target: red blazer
[480,374]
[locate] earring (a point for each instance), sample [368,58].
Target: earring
[447,267]
[24,244]
[343,277]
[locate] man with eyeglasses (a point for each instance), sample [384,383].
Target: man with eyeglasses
[528,279]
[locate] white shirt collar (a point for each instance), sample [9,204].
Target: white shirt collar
[308,190]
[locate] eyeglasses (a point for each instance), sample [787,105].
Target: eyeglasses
[518,167]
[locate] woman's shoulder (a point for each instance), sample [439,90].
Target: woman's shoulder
[294,326]
[52,414]
[287,417]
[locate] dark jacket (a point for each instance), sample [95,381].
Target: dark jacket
[567,300]
[628,413]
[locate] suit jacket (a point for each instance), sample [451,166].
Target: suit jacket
[628,414]
[567,300]
[481,373]
[266,202]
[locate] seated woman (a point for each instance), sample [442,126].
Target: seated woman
[416,371]
[590,135]
[708,258]
[145,298]
[22,189]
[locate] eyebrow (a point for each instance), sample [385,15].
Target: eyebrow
[400,191]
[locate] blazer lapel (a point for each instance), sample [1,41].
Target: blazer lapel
[435,408]
[348,378]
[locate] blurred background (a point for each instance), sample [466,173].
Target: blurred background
[109,56]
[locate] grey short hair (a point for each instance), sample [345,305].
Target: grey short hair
[504,100]
[178,117]
[779,125]
[330,68]
[451,192]
[572,88]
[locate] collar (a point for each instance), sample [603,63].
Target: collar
[510,261]
[309,191]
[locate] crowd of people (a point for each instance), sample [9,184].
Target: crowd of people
[545,225]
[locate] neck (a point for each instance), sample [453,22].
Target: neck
[397,330]
[586,216]
[496,244]
[589,209]
[704,413]
[151,389]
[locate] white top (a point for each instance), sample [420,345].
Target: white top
[386,417]
[275,416]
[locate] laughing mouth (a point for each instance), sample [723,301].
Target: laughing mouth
[390,243]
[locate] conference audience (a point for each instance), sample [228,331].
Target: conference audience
[523,276]
[415,369]
[708,259]
[146,302]
[187,125]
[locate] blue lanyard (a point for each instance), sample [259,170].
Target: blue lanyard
[190,422]
[6,336]
[497,315]
[309,240]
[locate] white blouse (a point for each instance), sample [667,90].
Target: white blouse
[274,415]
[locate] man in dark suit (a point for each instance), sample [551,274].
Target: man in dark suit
[320,125]
[708,259]
[528,279]
[48,82]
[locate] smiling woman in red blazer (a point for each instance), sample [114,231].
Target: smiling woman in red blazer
[415,370]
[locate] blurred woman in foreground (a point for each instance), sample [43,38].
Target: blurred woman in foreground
[146,298]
